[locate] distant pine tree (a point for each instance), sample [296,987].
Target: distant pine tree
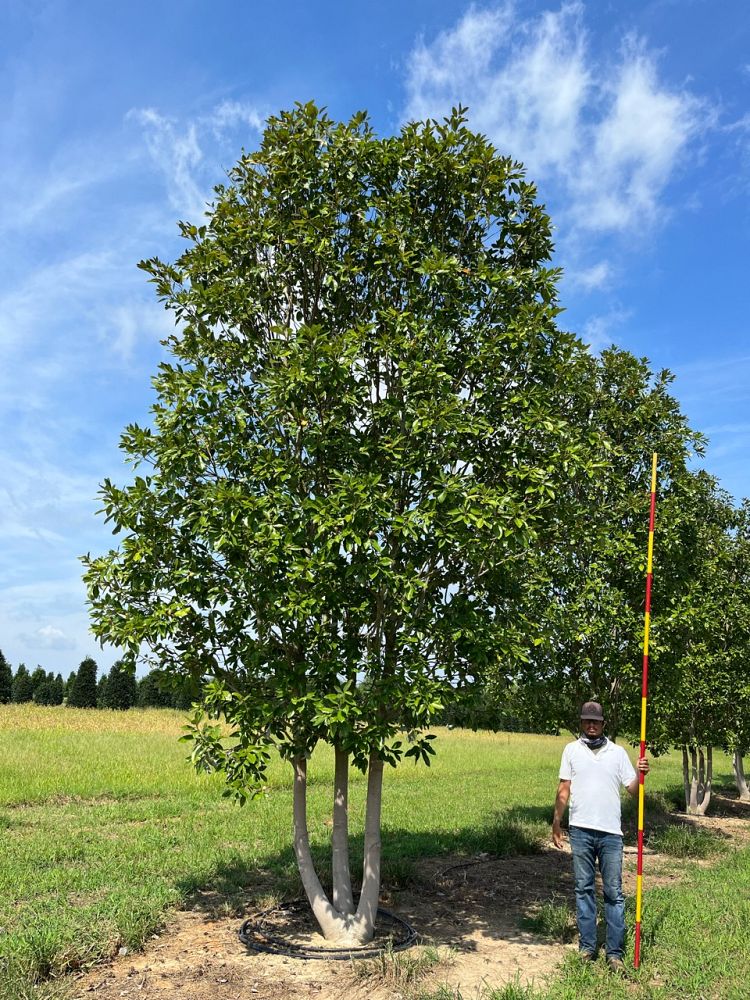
[6,681]
[153,692]
[83,690]
[101,692]
[38,678]
[44,693]
[59,689]
[120,692]
[183,697]
[22,689]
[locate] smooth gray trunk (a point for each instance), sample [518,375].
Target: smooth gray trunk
[686,776]
[699,780]
[343,900]
[739,776]
[368,900]
[331,923]
[339,923]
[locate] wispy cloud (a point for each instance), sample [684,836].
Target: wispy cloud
[608,131]
[79,337]
[599,331]
[178,155]
[722,380]
[129,322]
[46,622]
[597,276]
[48,637]
[230,114]
[177,149]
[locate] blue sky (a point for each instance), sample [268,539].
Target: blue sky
[633,118]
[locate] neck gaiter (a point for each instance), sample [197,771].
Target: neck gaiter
[595,743]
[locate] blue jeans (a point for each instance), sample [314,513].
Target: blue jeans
[588,847]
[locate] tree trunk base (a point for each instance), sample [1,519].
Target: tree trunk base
[739,777]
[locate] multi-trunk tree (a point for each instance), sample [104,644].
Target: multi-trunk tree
[360,432]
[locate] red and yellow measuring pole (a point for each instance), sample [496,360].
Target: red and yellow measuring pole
[644,699]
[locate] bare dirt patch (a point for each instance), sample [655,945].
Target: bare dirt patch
[470,909]
[729,818]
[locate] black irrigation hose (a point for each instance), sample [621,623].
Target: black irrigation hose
[464,864]
[278,946]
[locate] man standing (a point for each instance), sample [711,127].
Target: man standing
[592,772]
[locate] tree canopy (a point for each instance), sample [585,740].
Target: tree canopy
[586,589]
[364,424]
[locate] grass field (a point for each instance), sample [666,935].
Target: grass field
[106,827]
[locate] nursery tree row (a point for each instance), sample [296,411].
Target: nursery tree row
[116,689]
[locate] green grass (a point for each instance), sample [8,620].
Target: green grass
[553,920]
[105,827]
[402,968]
[682,841]
[511,991]
[695,946]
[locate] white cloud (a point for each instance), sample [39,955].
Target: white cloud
[464,53]
[598,330]
[590,278]
[637,145]
[178,155]
[177,149]
[230,114]
[608,132]
[49,637]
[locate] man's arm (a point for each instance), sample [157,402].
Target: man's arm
[642,765]
[561,802]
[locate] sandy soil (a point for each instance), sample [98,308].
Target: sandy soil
[469,908]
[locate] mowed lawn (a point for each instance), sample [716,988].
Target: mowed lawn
[105,826]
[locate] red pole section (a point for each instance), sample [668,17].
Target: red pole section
[644,699]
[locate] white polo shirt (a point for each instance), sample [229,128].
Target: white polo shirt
[595,783]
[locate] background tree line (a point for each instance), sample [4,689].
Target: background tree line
[116,689]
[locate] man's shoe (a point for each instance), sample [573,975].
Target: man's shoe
[586,956]
[616,965]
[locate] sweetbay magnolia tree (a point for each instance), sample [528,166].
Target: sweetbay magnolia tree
[357,435]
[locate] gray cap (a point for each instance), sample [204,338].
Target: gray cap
[592,710]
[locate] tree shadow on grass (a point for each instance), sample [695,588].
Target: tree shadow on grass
[508,833]
[451,885]
[664,813]
[467,904]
